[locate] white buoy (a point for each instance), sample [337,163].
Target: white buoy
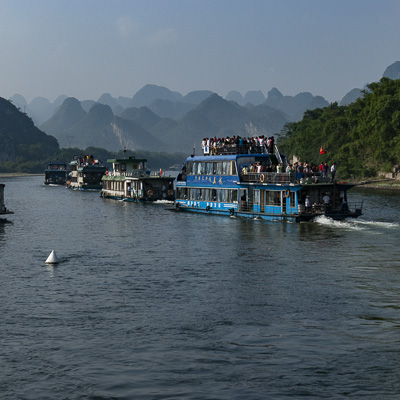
[52,258]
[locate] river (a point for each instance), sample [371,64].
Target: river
[149,303]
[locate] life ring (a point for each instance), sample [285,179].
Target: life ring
[208,208]
[231,211]
[150,193]
[170,192]
[287,193]
[262,178]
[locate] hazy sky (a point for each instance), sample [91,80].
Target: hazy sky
[84,48]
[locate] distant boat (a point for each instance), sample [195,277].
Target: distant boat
[3,209]
[56,173]
[85,173]
[129,180]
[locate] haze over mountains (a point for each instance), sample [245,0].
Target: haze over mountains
[158,119]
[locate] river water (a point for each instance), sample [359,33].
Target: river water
[148,303]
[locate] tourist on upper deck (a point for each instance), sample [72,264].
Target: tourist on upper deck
[299,171]
[271,145]
[325,170]
[333,172]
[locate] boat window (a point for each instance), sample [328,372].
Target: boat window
[292,199]
[277,198]
[123,167]
[226,195]
[257,197]
[218,168]
[209,168]
[226,168]
[234,194]
[272,198]
[192,168]
[200,168]
[233,172]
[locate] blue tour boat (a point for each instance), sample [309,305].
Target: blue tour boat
[254,183]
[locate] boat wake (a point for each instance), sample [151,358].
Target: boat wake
[388,225]
[163,202]
[347,224]
[356,224]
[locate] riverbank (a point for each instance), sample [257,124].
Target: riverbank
[386,184]
[16,174]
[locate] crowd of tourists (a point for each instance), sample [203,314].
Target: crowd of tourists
[299,170]
[302,170]
[264,145]
[237,144]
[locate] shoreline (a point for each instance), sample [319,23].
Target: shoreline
[384,184]
[16,174]
[373,184]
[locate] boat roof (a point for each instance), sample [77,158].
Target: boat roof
[56,163]
[129,160]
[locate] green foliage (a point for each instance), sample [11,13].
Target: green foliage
[362,138]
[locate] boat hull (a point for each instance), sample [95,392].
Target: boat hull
[295,217]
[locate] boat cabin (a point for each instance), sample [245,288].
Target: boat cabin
[130,180]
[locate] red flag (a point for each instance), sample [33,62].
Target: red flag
[322,151]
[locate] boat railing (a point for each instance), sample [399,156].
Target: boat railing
[232,149]
[284,177]
[268,177]
[355,206]
[137,173]
[278,155]
[270,209]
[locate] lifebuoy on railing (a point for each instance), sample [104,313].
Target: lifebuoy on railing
[170,192]
[287,193]
[262,178]
[150,193]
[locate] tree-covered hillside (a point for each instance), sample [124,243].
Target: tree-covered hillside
[21,142]
[362,138]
